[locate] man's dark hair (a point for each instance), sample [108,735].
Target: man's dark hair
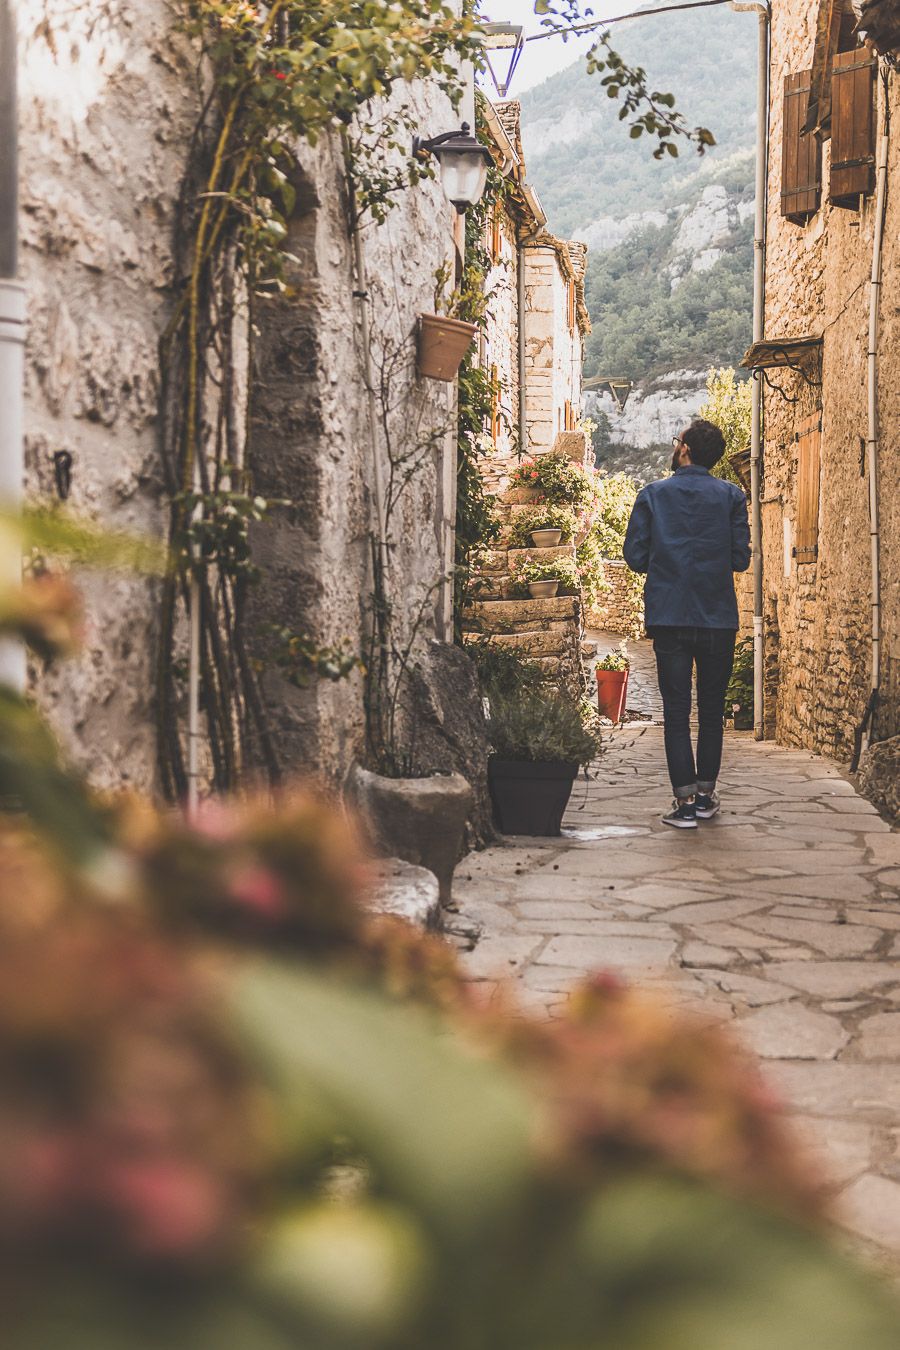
[705,442]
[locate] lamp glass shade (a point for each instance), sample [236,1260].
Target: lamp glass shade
[463,174]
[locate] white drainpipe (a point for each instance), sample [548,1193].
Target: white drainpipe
[12,337]
[759,298]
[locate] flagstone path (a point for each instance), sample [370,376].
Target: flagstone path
[781,916]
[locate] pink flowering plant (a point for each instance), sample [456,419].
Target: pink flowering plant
[558,479]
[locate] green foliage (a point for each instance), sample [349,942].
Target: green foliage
[503,671]
[218,531]
[728,406]
[616,493]
[545,516]
[616,660]
[740,686]
[476,519]
[559,480]
[564,570]
[301,660]
[644,327]
[589,560]
[542,727]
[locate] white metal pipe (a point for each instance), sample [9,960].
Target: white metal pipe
[872,408]
[759,299]
[12,464]
[12,336]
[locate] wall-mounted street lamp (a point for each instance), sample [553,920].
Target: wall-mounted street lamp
[464,164]
[507,42]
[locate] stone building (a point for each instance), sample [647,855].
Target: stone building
[100,189]
[537,320]
[831,97]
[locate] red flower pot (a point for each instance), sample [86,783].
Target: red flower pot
[612,688]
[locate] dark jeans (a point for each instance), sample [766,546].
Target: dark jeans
[677,650]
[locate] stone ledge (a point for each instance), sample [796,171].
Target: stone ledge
[516,611]
[541,554]
[407,892]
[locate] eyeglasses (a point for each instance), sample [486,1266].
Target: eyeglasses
[678,442]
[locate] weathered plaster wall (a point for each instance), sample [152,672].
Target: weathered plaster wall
[311,443]
[817,614]
[104,123]
[105,132]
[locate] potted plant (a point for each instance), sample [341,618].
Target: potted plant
[542,579]
[559,481]
[443,338]
[539,741]
[739,694]
[545,525]
[612,683]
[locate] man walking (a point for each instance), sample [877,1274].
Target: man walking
[689,533]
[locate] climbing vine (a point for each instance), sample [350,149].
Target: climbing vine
[476,521]
[278,73]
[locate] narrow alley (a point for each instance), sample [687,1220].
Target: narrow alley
[780,916]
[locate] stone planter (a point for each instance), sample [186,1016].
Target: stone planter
[420,820]
[442,344]
[612,690]
[546,538]
[743,719]
[543,590]
[530,798]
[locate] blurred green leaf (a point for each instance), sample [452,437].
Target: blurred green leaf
[34,781]
[447,1132]
[53,530]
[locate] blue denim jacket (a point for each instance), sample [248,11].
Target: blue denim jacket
[689,533]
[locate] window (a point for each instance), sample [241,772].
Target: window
[835,32]
[569,417]
[852,128]
[809,442]
[801,155]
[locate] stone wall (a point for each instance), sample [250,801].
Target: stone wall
[621,610]
[99,185]
[818,613]
[500,346]
[554,351]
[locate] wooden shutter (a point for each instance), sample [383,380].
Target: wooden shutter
[801,155]
[809,443]
[571,306]
[495,406]
[852,127]
[496,235]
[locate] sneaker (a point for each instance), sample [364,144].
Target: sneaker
[684,817]
[707,804]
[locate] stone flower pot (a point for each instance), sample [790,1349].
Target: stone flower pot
[420,820]
[543,590]
[529,797]
[442,344]
[546,538]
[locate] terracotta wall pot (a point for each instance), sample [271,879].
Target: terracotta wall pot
[420,820]
[530,798]
[612,689]
[442,344]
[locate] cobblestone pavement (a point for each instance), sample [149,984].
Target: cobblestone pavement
[781,916]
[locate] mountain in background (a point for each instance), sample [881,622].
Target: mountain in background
[669,281]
